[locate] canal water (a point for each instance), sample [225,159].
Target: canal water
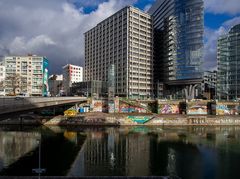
[186,152]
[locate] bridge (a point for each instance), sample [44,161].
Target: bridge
[16,104]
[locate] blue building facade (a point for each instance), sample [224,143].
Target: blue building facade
[178,41]
[45,88]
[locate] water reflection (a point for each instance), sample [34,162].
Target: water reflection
[187,152]
[13,145]
[194,152]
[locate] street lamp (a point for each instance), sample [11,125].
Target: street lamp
[39,170]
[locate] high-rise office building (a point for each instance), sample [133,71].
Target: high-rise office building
[125,41]
[228,56]
[178,44]
[71,74]
[26,74]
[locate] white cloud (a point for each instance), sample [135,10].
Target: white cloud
[50,28]
[211,37]
[20,44]
[147,7]
[222,6]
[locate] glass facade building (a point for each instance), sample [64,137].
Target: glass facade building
[178,40]
[228,56]
[178,36]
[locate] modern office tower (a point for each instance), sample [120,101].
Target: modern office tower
[71,74]
[178,44]
[55,85]
[26,75]
[125,41]
[228,57]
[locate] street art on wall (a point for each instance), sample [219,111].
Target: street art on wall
[97,105]
[168,109]
[111,107]
[197,107]
[227,109]
[139,119]
[125,108]
[116,103]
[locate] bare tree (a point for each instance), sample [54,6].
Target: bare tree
[13,82]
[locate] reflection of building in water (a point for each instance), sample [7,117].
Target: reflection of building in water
[137,155]
[103,154]
[14,145]
[114,154]
[171,167]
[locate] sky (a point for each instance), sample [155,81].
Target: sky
[54,28]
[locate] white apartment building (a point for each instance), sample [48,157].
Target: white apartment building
[71,74]
[26,75]
[2,79]
[125,40]
[2,73]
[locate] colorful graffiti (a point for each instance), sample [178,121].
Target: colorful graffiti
[125,108]
[97,105]
[111,107]
[168,109]
[223,109]
[139,119]
[197,107]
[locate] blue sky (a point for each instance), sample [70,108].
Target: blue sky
[217,13]
[212,20]
[55,28]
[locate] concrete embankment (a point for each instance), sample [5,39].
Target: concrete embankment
[151,120]
[105,119]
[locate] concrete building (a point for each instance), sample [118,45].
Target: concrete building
[178,45]
[125,41]
[209,84]
[26,75]
[71,74]
[55,84]
[228,57]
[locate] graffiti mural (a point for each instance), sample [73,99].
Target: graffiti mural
[97,105]
[227,109]
[111,107]
[125,108]
[116,103]
[168,109]
[197,107]
[139,119]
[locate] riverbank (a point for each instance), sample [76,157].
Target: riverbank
[105,119]
[153,119]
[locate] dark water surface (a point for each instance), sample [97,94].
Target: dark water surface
[186,152]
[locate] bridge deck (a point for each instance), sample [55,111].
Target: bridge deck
[15,104]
